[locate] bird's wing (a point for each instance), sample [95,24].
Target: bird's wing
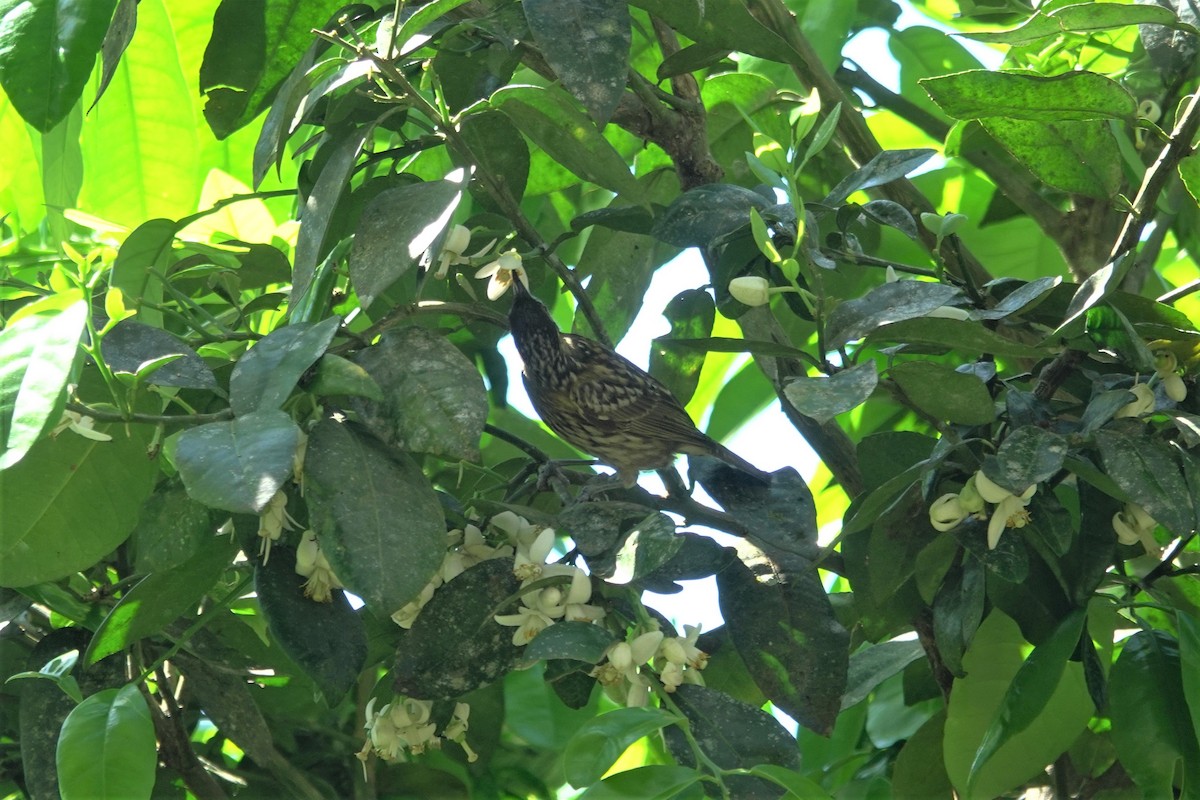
[611,389]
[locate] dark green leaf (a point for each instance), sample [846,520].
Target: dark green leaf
[824,398]
[140,263]
[1024,298]
[734,735]
[1189,662]
[456,646]
[597,745]
[944,393]
[1147,471]
[649,545]
[891,302]
[957,612]
[265,376]
[1109,329]
[501,150]
[979,94]
[788,637]
[1050,524]
[47,51]
[130,345]
[691,314]
[338,377]
[158,599]
[965,336]
[1152,730]
[376,516]
[1030,691]
[702,215]
[621,265]
[395,230]
[874,664]
[554,124]
[587,44]
[578,641]
[36,357]
[1027,456]
[116,39]
[888,166]
[238,465]
[780,514]
[51,523]
[434,400]
[326,640]
[107,747]
[171,529]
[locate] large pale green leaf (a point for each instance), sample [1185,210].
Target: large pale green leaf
[106,750]
[47,51]
[978,94]
[434,400]
[922,52]
[1077,156]
[238,465]
[991,664]
[396,228]
[265,376]
[553,123]
[1152,730]
[376,516]
[70,502]
[1079,18]
[596,746]
[587,44]
[141,153]
[36,357]
[21,182]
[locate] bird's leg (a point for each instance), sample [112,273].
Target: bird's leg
[601,485]
[551,475]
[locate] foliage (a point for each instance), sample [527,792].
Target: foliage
[264,506]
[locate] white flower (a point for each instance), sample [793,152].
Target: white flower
[1010,512]
[751,290]
[528,621]
[530,560]
[312,564]
[452,251]
[946,513]
[501,272]
[620,675]
[1174,387]
[1142,404]
[407,615]
[84,426]
[889,275]
[273,521]
[1134,525]
[400,725]
[456,730]
[948,312]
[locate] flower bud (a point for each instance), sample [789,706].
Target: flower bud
[969,498]
[946,512]
[988,489]
[1142,404]
[751,290]
[1174,387]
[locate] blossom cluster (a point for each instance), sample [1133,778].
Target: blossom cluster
[403,727]
[624,673]
[1010,509]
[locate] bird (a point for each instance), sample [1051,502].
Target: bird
[602,403]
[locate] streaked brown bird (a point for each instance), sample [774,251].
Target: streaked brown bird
[602,403]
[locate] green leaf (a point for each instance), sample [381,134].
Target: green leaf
[727,24]
[1146,470]
[653,782]
[254,45]
[945,393]
[171,529]
[957,612]
[130,346]
[1080,157]
[792,644]
[587,44]
[734,735]
[339,377]
[992,662]
[885,167]
[553,123]
[1189,662]
[116,39]
[434,400]
[891,302]
[691,314]
[874,664]
[328,641]
[383,530]
[1028,455]
[1030,691]
[238,465]
[1111,330]
[701,216]
[156,600]
[265,376]
[1189,172]
[501,150]
[1078,18]
[597,745]
[578,641]
[146,251]
[824,398]
[964,336]
[919,770]
[650,544]
[37,354]
[1152,730]
[107,747]
[798,786]
[456,646]
[51,523]
[395,230]
[978,94]
[47,51]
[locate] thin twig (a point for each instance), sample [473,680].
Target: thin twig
[102,415]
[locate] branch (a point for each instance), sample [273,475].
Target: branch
[101,415]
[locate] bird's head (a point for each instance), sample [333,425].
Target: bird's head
[533,328]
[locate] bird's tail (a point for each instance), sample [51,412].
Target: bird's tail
[718,450]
